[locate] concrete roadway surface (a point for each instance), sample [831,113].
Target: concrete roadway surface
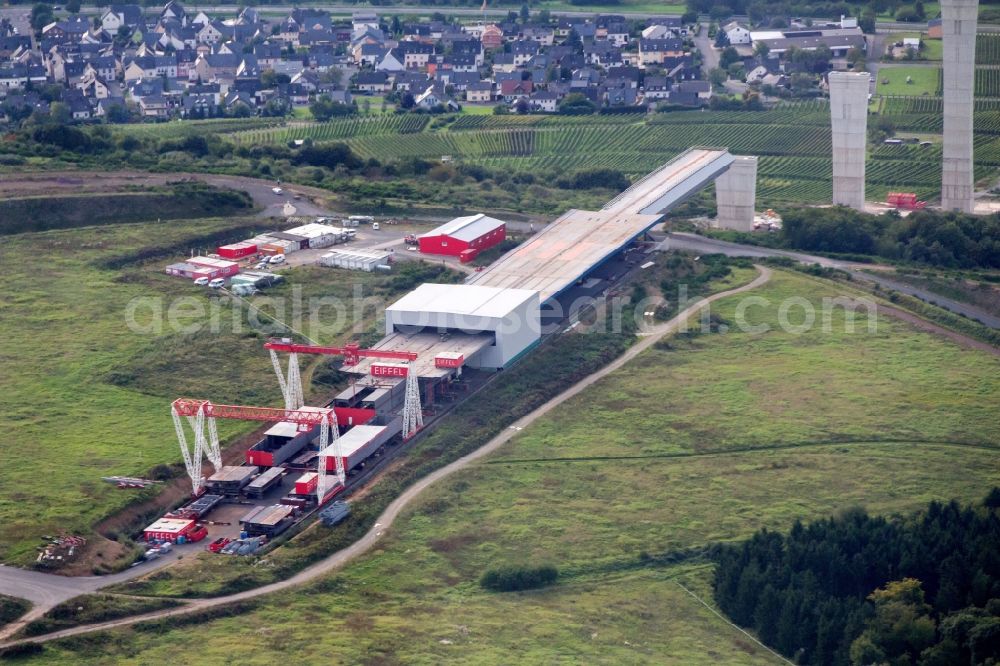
[45,590]
[342,557]
[695,243]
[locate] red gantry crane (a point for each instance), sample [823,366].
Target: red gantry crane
[291,383]
[201,414]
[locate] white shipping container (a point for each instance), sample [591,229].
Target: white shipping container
[358,260]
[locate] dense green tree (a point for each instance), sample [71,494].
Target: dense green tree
[860,589]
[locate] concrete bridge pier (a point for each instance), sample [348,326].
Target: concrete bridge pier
[736,194]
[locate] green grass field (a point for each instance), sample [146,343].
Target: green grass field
[85,397]
[923,81]
[703,439]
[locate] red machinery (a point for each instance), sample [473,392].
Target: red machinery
[291,386]
[202,414]
[906,201]
[351,352]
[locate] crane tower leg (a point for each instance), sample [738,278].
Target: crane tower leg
[413,416]
[212,450]
[192,459]
[329,432]
[291,387]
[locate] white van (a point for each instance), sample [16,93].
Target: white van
[375,226]
[217,283]
[201,282]
[278,259]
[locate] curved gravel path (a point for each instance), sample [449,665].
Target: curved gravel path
[386,519]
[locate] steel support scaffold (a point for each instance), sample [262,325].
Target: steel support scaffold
[291,383]
[201,414]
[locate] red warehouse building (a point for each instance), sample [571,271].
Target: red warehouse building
[464,237]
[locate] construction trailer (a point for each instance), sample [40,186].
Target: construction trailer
[192,271]
[225,268]
[269,521]
[356,260]
[237,250]
[231,479]
[175,530]
[278,247]
[464,237]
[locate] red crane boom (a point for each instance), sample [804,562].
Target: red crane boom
[352,352]
[306,419]
[202,414]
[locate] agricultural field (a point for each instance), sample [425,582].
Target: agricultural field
[729,440]
[987,82]
[792,139]
[912,81]
[988,49]
[94,399]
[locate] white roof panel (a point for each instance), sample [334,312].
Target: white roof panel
[283,429]
[466,228]
[354,439]
[462,299]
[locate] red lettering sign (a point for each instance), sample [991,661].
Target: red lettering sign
[384,370]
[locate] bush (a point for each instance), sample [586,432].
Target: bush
[584,180]
[514,578]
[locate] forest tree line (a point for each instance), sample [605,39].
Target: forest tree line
[860,589]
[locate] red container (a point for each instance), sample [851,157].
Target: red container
[306,484]
[237,250]
[449,360]
[465,256]
[260,458]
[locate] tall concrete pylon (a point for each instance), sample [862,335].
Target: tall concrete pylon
[958,24]
[849,122]
[736,194]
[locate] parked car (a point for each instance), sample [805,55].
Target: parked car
[278,259]
[375,226]
[217,283]
[277,190]
[261,266]
[201,282]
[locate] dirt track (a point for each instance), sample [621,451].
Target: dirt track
[66,183]
[386,519]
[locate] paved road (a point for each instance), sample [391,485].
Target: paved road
[46,590]
[695,243]
[387,518]
[710,57]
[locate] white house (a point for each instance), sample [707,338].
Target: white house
[736,33]
[427,99]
